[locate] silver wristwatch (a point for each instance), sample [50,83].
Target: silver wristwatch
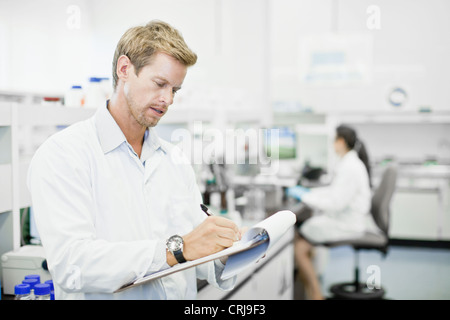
[175,245]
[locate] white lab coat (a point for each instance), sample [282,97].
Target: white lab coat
[342,208]
[103,213]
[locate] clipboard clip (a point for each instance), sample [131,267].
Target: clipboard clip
[260,237]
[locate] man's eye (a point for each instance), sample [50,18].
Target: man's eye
[159,84]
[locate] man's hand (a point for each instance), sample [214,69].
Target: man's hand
[212,235]
[242,231]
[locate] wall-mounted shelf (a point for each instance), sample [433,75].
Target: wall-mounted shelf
[393,117]
[38,115]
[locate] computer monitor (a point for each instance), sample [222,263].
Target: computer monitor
[281,142]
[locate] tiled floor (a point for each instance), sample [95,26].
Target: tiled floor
[406,273]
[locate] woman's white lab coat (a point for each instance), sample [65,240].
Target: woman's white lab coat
[342,208]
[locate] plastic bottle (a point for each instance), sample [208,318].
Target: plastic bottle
[106,87]
[95,96]
[42,291]
[22,292]
[74,98]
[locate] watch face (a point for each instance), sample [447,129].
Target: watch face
[175,243]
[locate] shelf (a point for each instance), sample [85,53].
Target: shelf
[26,97]
[38,115]
[294,118]
[402,117]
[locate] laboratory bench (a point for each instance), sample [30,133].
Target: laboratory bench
[420,208]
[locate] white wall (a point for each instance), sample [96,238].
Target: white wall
[41,52]
[407,142]
[410,49]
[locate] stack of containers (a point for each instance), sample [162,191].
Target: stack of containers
[31,288]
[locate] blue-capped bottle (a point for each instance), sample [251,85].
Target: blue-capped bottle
[22,292]
[32,283]
[42,291]
[33,276]
[52,289]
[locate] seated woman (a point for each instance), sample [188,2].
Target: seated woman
[341,209]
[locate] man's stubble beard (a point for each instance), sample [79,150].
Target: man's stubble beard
[138,113]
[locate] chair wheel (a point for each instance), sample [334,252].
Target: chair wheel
[347,291]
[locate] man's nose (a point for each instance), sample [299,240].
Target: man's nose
[167,96]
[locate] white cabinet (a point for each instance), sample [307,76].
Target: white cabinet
[421,213]
[273,281]
[415,215]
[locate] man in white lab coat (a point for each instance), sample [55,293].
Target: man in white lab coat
[109,195]
[342,208]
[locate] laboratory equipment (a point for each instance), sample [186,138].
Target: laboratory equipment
[17,264]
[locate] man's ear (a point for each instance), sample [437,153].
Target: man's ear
[123,67]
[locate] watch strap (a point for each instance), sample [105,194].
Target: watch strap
[179,256]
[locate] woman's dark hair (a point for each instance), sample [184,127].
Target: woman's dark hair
[351,139]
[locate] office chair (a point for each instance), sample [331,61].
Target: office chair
[380,211]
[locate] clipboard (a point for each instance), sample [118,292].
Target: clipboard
[250,249]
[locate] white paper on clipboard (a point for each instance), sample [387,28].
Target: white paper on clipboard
[243,254]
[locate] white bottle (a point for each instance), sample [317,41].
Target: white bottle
[95,96]
[74,98]
[106,87]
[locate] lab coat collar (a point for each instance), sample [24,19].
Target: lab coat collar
[342,159]
[351,153]
[111,136]
[108,130]
[152,142]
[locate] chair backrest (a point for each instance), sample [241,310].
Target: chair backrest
[381,199]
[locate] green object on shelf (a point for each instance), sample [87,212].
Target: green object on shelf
[386,162]
[430,163]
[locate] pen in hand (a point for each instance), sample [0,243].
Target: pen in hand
[209,213]
[205,209]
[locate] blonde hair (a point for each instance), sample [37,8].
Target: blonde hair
[140,43]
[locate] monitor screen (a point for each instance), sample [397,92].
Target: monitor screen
[282,140]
